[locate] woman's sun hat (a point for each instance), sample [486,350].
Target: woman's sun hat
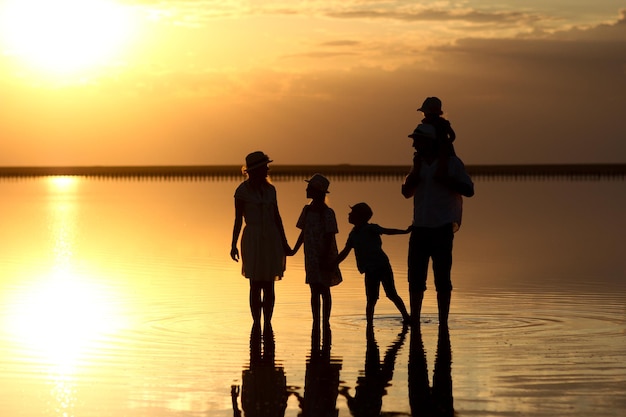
[256,159]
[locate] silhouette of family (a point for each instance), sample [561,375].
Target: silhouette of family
[437,183]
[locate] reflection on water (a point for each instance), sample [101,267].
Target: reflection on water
[321,383]
[427,401]
[371,385]
[119,298]
[264,390]
[60,311]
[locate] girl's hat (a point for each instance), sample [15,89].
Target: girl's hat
[431,105]
[319,182]
[256,160]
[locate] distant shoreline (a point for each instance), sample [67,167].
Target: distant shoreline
[589,171]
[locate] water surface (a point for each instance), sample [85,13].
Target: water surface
[118,297]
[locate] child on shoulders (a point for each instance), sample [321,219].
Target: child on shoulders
[431,108]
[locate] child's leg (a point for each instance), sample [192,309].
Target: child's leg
[328,304]
[315,302]
[372,292]
[391,293]
[445,152]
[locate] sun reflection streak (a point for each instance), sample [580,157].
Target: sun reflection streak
[59,319]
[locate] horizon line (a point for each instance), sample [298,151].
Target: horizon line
[600,170]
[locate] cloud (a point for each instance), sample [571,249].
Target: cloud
[559,97]
[539,99]
[555,98]
[434,14]
[341,43]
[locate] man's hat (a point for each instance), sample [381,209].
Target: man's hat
[424,130]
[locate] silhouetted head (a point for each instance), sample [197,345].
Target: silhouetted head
[424,137]
[361,213]
[256,160]
[318,183]
[424,131]
[256,168]
[432,105]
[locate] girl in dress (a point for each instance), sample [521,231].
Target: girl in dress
[263,242]
[318,226]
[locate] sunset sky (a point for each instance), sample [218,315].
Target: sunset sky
[146,82]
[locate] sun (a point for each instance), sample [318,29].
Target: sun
[63,36]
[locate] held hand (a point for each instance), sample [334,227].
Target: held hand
[234,254]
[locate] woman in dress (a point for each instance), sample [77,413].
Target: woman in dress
[263,242]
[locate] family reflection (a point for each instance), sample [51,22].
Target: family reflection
[264,391]
[371,387]
[321,381]
[264,385]
[424,400]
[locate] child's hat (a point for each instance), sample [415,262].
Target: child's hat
[319,182]
[362,209]
[256,160]
[431,105]
[424,130]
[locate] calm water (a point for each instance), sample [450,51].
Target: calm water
[118,298]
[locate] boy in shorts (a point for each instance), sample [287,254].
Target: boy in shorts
[371,260]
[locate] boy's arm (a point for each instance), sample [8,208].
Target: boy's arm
[388,231]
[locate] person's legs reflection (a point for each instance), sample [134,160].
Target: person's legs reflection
[424,401]
[372,385]
[419,388]
[321,382]
[442,377]
[264,385]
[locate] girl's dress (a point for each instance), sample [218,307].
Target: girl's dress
[262,252]
[314,226]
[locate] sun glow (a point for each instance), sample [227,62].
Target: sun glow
[60,318]
[64,310]
[64,36]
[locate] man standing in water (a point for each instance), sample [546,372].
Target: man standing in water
[437,207]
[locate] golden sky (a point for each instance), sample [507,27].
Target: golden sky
[103,82]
